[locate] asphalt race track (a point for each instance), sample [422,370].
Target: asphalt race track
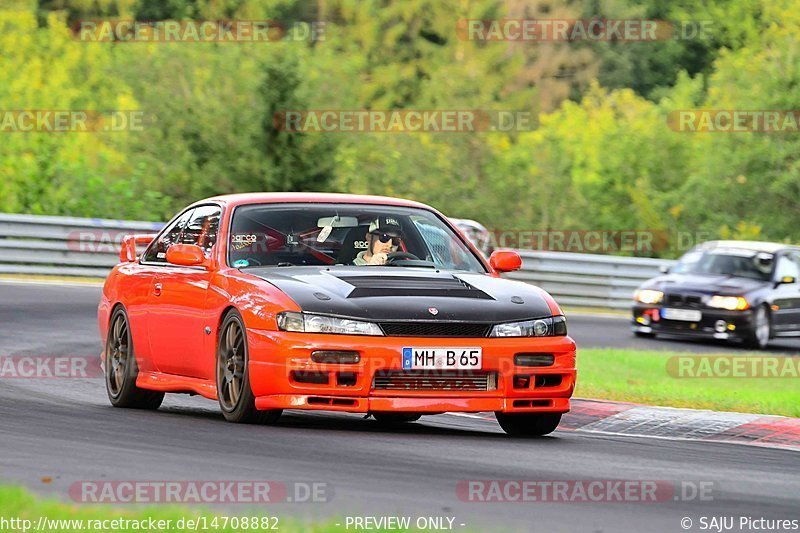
[598,331]
[66,430]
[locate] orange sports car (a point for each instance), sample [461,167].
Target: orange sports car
[363,304]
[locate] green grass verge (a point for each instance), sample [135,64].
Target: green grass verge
[642,377]
[19,503]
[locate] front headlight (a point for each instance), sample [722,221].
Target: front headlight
[541,327]
[731,303]
[648,296]
[308,323]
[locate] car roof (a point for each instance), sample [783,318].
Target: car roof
[311,197]
[758,246]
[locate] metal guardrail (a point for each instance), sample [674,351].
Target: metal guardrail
[64,246]
[70,246]
[587,280]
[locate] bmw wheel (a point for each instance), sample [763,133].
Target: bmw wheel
[759,335]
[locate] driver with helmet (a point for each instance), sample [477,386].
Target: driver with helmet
[383,238]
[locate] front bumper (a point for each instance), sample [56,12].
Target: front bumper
[277,357]
[738,324]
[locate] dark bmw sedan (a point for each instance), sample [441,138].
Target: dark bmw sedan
[732,290]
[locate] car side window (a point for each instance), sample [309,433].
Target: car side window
[788,266]
[157,253]
[202,227]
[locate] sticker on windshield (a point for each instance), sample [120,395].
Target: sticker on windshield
[242,240]
[240,263]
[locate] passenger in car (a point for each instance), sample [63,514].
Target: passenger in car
[383,238]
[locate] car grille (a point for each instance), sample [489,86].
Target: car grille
[430,380]
[683,300]
[435,329]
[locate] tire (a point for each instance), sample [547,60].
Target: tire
[528,425]
[234,394]
[759,336]
[122,370]
[392,419]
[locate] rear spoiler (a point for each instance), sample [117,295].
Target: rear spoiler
[127,253]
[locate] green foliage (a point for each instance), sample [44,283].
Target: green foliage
[601,158]
[26,509]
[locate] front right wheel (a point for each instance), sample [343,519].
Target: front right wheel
[528,424]
[759,335]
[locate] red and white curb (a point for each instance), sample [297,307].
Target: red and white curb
[635,420]
[598,416]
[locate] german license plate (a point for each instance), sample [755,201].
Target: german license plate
[686,315]
[442,358]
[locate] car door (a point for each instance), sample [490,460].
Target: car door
[178,312]
[140,294]
[786,296]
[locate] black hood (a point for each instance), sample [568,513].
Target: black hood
[401,293]
[705,284]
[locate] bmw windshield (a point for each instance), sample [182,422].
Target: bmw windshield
[347,234]
[727,262]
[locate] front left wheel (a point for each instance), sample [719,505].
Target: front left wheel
[235,396]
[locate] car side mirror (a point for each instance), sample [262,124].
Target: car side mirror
[505,261]
[186,255]
[664,269]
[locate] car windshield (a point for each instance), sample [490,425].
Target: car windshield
[330,234]
[728,262]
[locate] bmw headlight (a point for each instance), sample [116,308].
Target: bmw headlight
[648,296]
[308,323]
[541,327]
[731,303]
